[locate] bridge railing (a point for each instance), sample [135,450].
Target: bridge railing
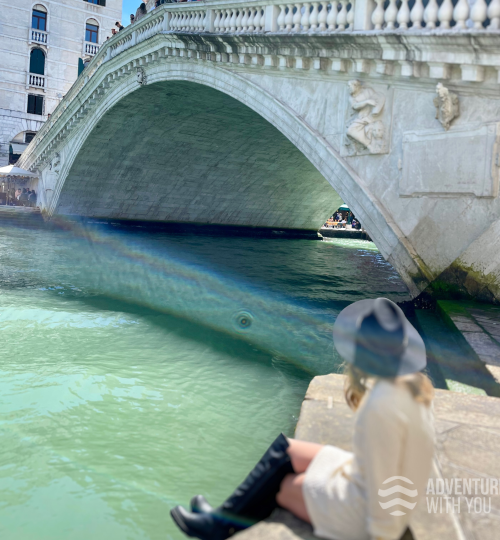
[244,17]
[240,16]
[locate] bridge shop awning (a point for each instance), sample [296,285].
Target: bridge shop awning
[12,170]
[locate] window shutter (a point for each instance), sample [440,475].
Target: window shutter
[37,62]
[31,104]
[39,105]
[35,104]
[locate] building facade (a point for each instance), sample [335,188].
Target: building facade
[40,46]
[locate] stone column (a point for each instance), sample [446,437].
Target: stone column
[271,18]
[363,10]
[166,21]
[209,21]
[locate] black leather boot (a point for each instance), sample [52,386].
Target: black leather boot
[200,505]
[252,501]
[209,526]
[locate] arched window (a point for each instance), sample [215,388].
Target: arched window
[92,31]
[37,62]
[97,2]
[39,18]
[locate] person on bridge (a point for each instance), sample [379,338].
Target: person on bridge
[345,495]
[141,11]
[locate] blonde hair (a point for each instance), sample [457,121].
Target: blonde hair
[355,386]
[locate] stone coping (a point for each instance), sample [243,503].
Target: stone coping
[468,438]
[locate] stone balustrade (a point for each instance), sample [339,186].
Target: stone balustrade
[313,17]
[443,15]
[38,36]
[36,81]
[90,49]
[188,21]
[323,17]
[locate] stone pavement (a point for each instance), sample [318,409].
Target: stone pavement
[451,362]
[480,326]
[468,438]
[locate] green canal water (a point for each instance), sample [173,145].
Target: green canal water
[140,368]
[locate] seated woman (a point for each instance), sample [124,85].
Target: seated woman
[344,495]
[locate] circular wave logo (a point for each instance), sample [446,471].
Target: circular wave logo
[398,501]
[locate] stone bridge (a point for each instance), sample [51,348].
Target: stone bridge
[268,114]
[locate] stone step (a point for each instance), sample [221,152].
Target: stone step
[468,438]
[20,215]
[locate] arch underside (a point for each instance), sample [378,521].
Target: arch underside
[177,151]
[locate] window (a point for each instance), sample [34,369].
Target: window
[13,157]
[29,136]
[97,2]
[35,104]
[39,20]
[37,62]
[92,33]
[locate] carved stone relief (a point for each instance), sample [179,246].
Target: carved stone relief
[141,76]
[55,164]
[367,129]
[447,108]
[50,177]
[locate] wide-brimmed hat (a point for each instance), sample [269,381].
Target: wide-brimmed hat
[376,337]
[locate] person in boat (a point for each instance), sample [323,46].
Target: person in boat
[344,495]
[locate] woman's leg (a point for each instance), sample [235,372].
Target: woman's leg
[291,498]
[255,498]
[290,494]
[302,453]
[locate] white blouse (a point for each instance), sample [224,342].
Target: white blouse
[393,437]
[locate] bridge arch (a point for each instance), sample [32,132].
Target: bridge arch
[309,144]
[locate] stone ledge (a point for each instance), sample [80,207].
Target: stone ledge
[480,326]
[468,437]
